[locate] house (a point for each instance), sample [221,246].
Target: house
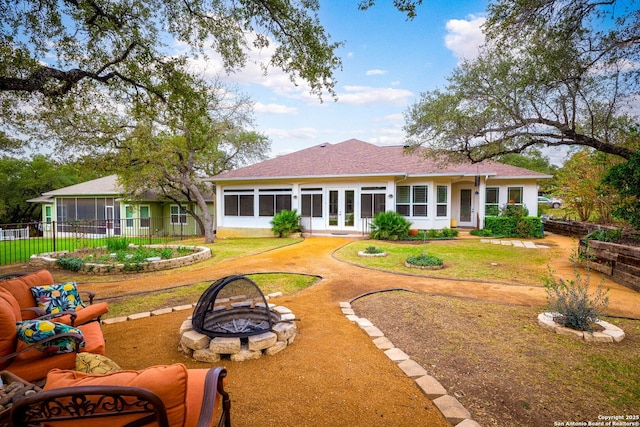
[100,208]
[339,188]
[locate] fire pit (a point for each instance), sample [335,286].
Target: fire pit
[233,319]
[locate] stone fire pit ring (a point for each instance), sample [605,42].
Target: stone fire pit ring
[202,348]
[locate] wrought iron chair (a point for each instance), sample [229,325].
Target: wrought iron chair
[107,405]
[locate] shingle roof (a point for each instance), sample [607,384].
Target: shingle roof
[107,185]
[358,158]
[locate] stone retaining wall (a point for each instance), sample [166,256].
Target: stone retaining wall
[201,253]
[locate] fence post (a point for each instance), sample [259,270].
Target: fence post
[53,224]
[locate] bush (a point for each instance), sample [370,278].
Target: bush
[70,263]
[115,244]
[389,225]
[571,300]
[445,233]
[286,222]
[610,236]
[424,260]
[507,226]
[373,250]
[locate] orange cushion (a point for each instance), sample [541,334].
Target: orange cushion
[20,288]
[8,319]
[169,382]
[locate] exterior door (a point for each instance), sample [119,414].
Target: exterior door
[108,216]
[341,208]
[465,207]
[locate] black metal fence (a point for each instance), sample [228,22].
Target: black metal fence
[19,241]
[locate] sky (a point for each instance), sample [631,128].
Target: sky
[387,61]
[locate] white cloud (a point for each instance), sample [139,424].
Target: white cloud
[306,133]
[259,107]
[376,72]
[465,37]
[366,95]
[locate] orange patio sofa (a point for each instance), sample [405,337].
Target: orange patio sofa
[27,360]
[20,284]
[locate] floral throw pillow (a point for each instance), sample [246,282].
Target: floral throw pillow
[34,331]
[58,297]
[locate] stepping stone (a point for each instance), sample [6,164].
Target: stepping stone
[505,242]
[529,245]
[468,423]
[517,244]
[345,305]
[364,323]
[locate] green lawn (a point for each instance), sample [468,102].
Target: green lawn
[189,294]
[463,259]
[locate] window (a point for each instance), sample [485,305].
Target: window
[492,200]
[515,195]
[442,195]
[403,200]
[128,214]
[238,203]
[144,216]
[412,200]
[47,214]
[178,215]
[372,204]
[420,197]
[311,202]
[271,204]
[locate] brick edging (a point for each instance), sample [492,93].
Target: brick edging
[448,405]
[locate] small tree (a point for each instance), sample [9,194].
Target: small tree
[286,222]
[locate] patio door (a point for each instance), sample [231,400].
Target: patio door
[342,202]
[109,219]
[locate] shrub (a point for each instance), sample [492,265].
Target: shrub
[70,263]
[373,250]
[513,226]
[115,244]
[286,222]
[389,225]
[571,300]
[501,226]
[424,260]
[610,236]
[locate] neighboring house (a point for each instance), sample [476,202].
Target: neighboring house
[100,208]
[339,188]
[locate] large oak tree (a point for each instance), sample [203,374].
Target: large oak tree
[552,73]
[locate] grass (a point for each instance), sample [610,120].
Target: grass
[463,259]
[189,294]
[18,251]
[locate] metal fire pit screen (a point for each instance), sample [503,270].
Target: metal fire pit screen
[233,306]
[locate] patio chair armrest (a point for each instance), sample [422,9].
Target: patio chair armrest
[77,337]
[39,312]
[214,387]
[42,314]
[90,294]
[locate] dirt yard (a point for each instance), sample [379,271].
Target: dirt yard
[334,375]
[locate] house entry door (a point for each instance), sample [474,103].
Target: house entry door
[341,208]
[465,207]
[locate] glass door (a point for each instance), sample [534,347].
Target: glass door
[341,208]
[465,205]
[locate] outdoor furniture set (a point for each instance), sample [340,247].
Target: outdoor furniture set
[44,326]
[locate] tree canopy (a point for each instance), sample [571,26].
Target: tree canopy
[54,52]
[551,73]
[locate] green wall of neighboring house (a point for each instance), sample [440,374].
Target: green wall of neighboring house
[164,218]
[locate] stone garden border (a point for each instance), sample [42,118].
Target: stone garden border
[200,253]
[367,255]
[611,333]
